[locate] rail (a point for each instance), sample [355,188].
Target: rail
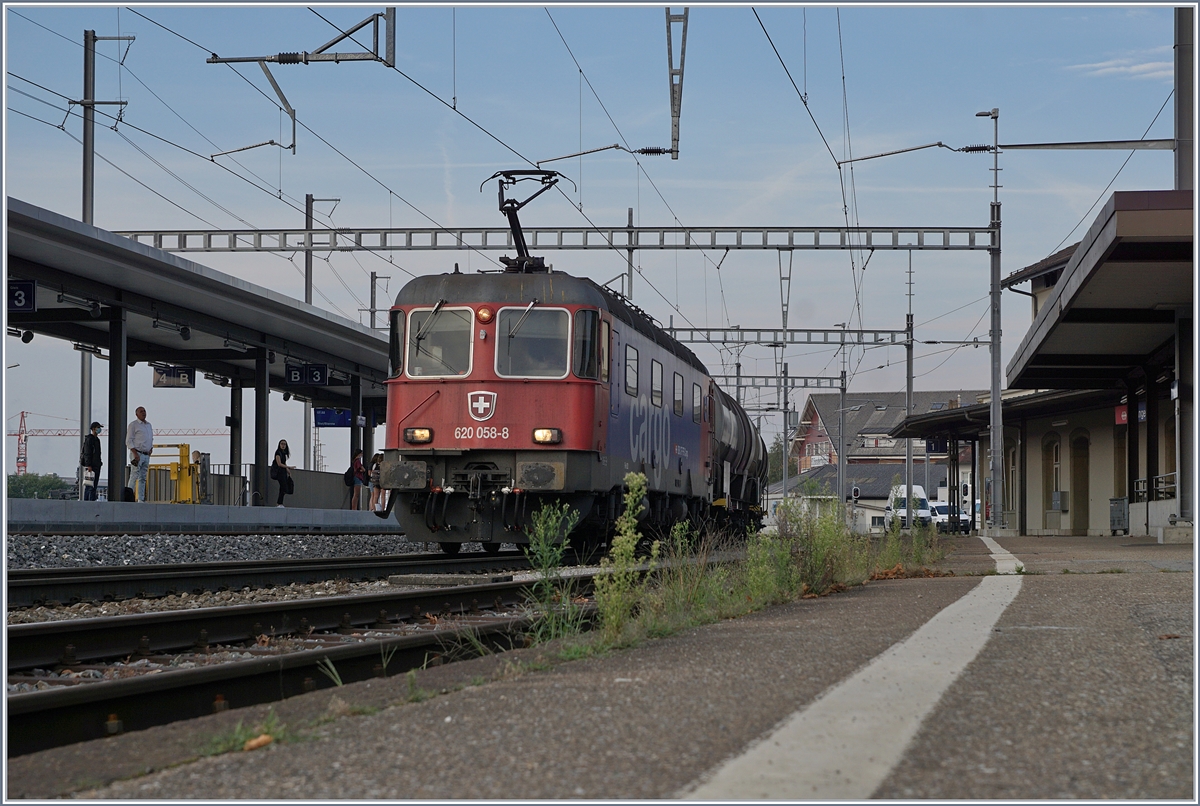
[80,710]
[39,586]
[1164,486]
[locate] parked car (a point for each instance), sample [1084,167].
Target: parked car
[943,512]
[897,509]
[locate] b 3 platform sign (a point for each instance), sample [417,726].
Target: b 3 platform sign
[169,377]
[307,374]
[22,296]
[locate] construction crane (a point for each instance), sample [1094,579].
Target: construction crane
[23,433]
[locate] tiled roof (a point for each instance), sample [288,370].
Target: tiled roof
[877,413]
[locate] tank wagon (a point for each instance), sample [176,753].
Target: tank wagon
[516,388]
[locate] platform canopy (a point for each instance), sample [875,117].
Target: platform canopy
[973,422]
[1114,310]
[86,276]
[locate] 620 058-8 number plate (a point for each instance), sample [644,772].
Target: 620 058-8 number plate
[480,432]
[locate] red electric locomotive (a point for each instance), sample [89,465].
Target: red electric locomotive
[512,389]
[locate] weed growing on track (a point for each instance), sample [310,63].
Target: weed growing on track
[621,587]
[325,666]
[703,580]
[557,614]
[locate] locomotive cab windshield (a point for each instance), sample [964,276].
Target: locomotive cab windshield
[532,342]
[440,342]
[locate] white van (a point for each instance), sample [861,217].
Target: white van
[896,508]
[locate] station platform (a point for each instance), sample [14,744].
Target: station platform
[1070,677]
[37,516]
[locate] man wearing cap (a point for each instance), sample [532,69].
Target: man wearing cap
[139,439]
[89,460]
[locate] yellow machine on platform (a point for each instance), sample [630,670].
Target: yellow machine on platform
[185,473]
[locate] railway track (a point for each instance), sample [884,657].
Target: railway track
[29,587]
[95,677]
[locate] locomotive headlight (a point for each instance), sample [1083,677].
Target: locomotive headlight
[484,315]
[417,436]
[547,436]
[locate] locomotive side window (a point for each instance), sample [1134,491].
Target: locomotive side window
[605,340]
[396,346]
[587,344]
[678,395]
[532,342]
[697,396]
[439,342]
[631,371]
[656,383]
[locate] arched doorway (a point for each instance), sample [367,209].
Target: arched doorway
[1080,494]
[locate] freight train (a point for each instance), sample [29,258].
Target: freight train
[527,386]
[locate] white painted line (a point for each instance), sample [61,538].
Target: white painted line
[843,745]
[1006,563]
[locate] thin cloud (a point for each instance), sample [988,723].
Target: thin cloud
[1137,67]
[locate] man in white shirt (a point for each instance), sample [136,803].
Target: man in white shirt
[139,438]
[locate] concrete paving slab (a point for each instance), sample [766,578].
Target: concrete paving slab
[1077,695]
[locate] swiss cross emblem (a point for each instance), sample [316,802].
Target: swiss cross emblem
[481,405]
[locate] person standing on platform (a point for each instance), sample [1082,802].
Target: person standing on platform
[90,461]
[139,439]
[373,478]
[282,472]
[358,476]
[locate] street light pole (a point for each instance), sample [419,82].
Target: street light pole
[996,430]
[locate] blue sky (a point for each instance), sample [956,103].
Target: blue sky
[876,79]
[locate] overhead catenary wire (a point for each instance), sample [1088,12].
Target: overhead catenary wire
[167,141]
[135,77]
[1114,179]
[641,171]
[116,167]
[856,280]
[841,177]
[520,155]
[329,145]
[168,200]
[70,113]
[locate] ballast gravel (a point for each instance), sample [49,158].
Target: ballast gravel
[73,551]
[193,601]
[127,550]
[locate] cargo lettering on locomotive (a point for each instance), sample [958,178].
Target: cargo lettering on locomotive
[649,437]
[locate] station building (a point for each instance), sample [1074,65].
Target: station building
[1098,415]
